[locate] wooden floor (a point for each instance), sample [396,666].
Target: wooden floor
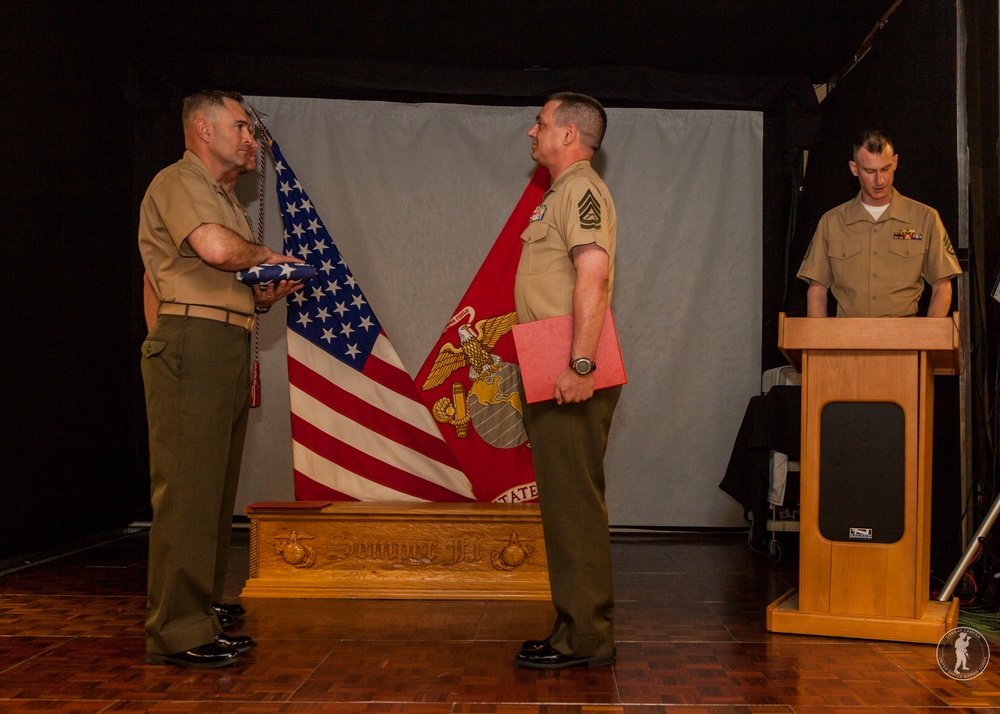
[690,624]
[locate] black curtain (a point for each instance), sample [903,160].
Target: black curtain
[984,264]
[70,465]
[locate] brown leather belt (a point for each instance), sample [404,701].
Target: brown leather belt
[209,313]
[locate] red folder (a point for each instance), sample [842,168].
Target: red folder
[543,350]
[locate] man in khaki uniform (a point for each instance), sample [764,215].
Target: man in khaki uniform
[876,252]
[567,266]
[193,236]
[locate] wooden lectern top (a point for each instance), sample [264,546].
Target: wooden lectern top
[938,336]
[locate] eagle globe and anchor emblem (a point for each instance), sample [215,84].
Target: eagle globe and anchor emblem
[293,551]
[492,403]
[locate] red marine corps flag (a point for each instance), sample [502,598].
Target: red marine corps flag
[471,381]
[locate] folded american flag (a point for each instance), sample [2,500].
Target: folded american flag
[276,272]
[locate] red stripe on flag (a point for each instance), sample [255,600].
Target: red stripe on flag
[367,414]
[308,490]
[366,465]
[388,375]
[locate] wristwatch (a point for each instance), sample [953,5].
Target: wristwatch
[583,365]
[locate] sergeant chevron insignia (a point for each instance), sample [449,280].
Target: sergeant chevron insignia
[590,212]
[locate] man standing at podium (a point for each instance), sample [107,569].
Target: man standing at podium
[876,252]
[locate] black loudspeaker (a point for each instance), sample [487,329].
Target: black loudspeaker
[862,472]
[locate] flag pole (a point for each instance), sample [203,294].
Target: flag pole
[255,385]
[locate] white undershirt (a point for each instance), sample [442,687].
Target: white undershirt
[876,211]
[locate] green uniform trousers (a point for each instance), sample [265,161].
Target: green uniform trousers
[196,374]
[568,443]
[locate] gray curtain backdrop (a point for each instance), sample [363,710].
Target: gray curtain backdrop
[414,195]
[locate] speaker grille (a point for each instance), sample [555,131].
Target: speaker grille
[862,472]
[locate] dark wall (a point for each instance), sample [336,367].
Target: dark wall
[70,437]
[984,248]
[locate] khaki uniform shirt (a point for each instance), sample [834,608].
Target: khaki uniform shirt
[878,268]
[576,210]
[180,198]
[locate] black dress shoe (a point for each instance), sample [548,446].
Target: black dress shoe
[225,620]
[240,643]
[534,644]
[231,609]
[548,657]
[204,657]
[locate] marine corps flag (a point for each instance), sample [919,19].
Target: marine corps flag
[471,381]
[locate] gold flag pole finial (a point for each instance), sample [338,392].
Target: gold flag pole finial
[259,123]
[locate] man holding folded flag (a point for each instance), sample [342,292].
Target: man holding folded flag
[194,236]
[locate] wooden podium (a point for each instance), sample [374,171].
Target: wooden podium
[867,431]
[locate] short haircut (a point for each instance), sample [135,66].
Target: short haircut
[585,112]
[207,99]
[872,141]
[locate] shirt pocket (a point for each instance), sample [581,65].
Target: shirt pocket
[539,247]
[843,249]
[908,248]
[906,260]
[846,261]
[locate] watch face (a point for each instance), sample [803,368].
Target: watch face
[583,366]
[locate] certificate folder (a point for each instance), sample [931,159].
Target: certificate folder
[543,350]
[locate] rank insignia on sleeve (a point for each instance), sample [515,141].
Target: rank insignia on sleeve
[907,235]
[538,214]
[590,212]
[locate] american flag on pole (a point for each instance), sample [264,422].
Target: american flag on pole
[359,428]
